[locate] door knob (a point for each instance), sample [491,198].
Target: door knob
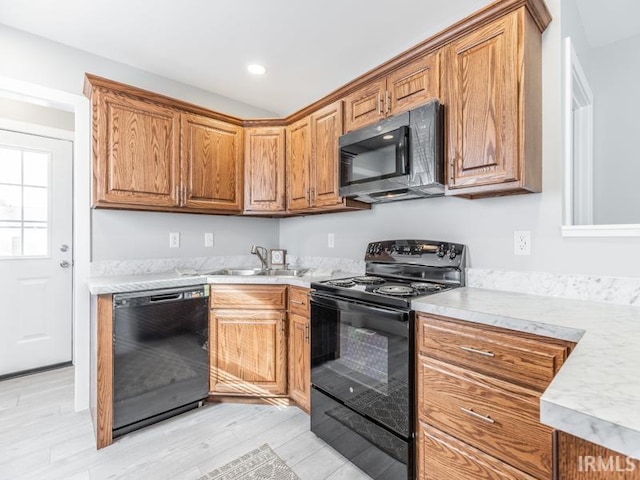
[64,248]
[65,264]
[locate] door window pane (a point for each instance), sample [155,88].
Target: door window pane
[10,240]
[10,202]
[36,168]
[10,165]
[36,203]
[24,202]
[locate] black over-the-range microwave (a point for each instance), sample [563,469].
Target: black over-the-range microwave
[399,158]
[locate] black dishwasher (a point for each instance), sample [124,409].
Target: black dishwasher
[160,355]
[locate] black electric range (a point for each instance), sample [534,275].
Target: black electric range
[363,357]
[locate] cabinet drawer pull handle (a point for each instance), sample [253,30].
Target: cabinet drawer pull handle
[306,333]
[469,411]
[297,302]
[479,352]
[379,103]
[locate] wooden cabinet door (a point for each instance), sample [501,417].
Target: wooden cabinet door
[264,169]
[298,165]
[211,164]
[136,151]
[248,352]
[326,128]
[365,106]
[483,106]
[299,361]
[414,84]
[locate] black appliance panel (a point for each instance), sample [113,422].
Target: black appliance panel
[379,453]
[160,352]
[361,356]
[384,155]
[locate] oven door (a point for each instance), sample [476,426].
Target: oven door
[361,355]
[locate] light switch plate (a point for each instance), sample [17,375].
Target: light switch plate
[174,240]
[208,240]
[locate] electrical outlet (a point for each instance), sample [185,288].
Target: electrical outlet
[174,240]
[522,242]
[208,240]
[331,240]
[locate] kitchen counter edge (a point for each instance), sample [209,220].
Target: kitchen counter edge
[136,283]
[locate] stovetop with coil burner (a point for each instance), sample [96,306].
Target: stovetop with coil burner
[397,271]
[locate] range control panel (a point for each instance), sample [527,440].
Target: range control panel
[423,252]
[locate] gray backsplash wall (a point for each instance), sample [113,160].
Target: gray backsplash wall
[129,235]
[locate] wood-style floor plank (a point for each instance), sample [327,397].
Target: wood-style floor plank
[42,438]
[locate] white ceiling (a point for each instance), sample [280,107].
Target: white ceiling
[308,48]
[608,21]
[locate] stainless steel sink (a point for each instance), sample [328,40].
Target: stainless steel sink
[259,271]
[238,271]
[285,273]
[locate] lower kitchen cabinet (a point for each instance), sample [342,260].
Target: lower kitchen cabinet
[248,340]
[443,457]
[478,403]
[299,348]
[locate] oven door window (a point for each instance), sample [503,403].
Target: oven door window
[375,158]
[361,357]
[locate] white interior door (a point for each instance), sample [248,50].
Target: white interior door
[35,251]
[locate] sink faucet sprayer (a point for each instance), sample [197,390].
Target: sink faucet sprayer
[261,253]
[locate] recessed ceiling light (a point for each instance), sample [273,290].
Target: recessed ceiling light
[256,69]
[387,137]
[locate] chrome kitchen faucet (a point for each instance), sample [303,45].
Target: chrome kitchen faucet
[261,253]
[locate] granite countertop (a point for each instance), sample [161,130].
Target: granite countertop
[152,281]
[596,393]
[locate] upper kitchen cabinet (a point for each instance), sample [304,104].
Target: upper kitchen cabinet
[264,170]
[409,86]
[211,164]
[299,165]
[136,151]
[326,128]
[152,152]
[493,108]
[313,163]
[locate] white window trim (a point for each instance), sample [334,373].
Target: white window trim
[573,75]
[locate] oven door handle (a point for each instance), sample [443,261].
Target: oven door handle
[334,303]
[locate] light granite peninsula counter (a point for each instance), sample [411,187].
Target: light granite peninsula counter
[596,393]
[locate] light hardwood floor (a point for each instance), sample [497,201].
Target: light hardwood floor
[41,437]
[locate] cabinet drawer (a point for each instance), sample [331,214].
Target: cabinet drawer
[494,416]
[249,297]
[442,457]
[524,359]
[299,301]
